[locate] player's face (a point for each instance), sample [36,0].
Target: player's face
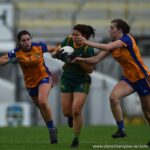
[114,31]
[75,34]
[25,42]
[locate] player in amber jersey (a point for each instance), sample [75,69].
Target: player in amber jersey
[136,76]
[37,77]
[75,80]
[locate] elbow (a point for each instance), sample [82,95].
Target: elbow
[90,70]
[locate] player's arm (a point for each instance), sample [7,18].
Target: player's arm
[53,49]
[4,60]
[86,67]
[105,47]
[8,58]
[93,60]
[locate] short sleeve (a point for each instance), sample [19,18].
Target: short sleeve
[12,53]
[44,47]
[126,40]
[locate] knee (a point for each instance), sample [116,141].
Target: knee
[114,100]
[42,104]
[76,112]
[67,113]
[147,115]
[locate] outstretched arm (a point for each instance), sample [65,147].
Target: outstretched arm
[105,47]
[53,49]
[93,60]
[4,60]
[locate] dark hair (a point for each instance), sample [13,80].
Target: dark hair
[21,33]
[85,30]
[121,24]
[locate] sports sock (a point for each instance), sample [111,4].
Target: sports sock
[76,135]
[49,124]
[70,117]
[120,124]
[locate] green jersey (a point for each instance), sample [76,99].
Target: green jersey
[74,72]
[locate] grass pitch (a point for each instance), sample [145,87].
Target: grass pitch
[92,137]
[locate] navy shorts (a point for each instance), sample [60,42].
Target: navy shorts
[34,91]
[141,86]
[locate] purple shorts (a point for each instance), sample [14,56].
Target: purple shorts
[141,86]
[34,91]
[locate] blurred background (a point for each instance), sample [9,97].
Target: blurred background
[50,21]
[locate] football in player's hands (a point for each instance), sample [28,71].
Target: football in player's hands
[68,49]
[65,54]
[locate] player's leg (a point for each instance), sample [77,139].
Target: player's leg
[44,90]
[143,90]
[121,90]
[66,100]
[66,104]
[145,103]
[70,121]
[43,93]
[78,102]
[39,96]
[79,97]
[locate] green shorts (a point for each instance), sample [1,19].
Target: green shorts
[70,86]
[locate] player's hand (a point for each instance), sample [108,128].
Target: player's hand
[13,60]
[81,40]
[78,59]
[57,54]
[64,56]
[61,55]
[54,55]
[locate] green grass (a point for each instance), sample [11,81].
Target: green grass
[36,138]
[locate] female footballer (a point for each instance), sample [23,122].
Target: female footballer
[37,77]
[75,80]
[136,76]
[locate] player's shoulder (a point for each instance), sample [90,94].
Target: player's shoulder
[126,38]
[69,38]
[15,50]
[38,43]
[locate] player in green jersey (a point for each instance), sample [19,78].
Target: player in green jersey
[75,80]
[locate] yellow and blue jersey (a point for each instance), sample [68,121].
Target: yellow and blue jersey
[32,63]
[130,59]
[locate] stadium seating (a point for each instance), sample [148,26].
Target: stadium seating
[54,19]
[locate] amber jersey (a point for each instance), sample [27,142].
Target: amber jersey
[130,59]
[32,63]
